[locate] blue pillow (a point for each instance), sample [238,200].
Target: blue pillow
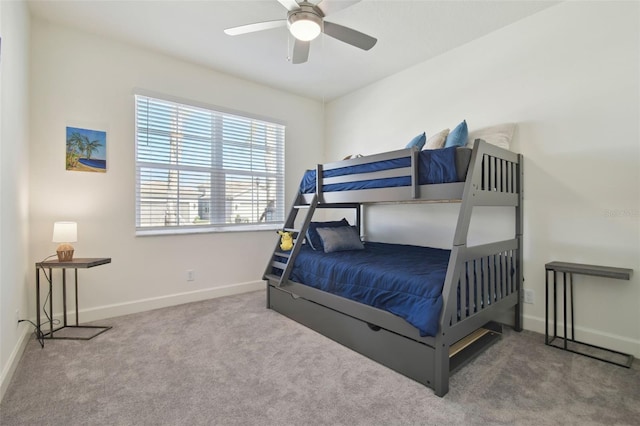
[418,141]
[314,239]
[340,238]
[458,136]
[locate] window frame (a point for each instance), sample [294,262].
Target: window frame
[149,230]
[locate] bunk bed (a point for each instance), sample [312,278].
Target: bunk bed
[441,321]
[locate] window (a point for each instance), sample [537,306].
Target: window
[198,169]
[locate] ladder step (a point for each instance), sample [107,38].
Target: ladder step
[302,206]
[271,277]
[283,254]
[297,231]
[278,265]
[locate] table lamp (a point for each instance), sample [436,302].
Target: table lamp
[65,233]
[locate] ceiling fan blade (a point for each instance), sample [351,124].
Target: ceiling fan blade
[258,26]
[349,36]
[289,4]
[332,6]
[300,52]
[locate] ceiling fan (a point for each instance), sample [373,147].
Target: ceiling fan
[305,21]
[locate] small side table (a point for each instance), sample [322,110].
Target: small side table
[75,264]
[568,269]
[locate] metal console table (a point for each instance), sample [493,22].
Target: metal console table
[569,269]
[75,264]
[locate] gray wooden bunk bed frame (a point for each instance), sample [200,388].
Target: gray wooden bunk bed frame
[470,311]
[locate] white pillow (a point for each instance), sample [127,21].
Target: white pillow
[499,135]
[349,157]
[437,141]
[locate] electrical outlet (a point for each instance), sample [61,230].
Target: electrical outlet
[529,296]
[191,275]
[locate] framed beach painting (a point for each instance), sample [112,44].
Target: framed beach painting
[86,150]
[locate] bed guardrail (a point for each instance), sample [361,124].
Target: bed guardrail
[484,277]
[493,179]
[410,171]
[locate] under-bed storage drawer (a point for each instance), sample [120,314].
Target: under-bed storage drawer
[406,356]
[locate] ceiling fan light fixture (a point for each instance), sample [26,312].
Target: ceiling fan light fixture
[305,21]
[304,26]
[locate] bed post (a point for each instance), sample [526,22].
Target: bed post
[415,192]
[441,385]
[319,180]
[359,220]
[471,186]
[441,368]
[519,258]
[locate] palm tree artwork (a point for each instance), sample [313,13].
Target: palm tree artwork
[86,150]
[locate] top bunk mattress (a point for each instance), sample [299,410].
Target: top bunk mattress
[405,280]
[434,166]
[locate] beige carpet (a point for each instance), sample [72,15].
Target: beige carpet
[231,361]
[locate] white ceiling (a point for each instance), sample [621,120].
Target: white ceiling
[408,32]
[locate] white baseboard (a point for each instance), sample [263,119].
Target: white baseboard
[135,306]
[24,331]
[588,335]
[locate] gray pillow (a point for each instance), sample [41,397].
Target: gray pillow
[340,239]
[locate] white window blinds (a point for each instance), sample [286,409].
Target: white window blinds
[199,169]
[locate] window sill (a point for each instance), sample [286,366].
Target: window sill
[150,232]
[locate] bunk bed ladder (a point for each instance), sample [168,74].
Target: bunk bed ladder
[281,263]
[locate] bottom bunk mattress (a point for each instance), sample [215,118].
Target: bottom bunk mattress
[402,279]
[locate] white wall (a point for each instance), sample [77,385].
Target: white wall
[14,167]
[84,80]
[569,76]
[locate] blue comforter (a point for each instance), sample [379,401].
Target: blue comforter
[402,279]
[434,166]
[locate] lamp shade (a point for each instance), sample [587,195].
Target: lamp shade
[65,232]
